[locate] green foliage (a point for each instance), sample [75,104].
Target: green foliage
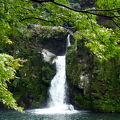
[8,66]
[72,59]
[101,90]
[82,4]
[47,32]
[107,4]
[103,42]
[105,88]
[31,85]
[17,15]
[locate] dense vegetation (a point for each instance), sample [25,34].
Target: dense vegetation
[97,35]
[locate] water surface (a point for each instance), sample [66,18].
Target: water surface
[81,115]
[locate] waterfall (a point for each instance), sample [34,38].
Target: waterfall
[68,41]
[58,84]
[57,92]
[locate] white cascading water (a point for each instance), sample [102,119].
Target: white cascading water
[68,41]
[57,102]
[58,85]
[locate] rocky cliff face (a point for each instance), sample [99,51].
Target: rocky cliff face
[93,84]
[30,88]
[53,39]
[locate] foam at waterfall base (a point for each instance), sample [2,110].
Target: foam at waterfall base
[64,109]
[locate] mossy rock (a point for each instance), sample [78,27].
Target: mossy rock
[53,39]
[102,90]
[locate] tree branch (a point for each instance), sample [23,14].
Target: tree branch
[92,12]
[37,18]
[42,1]
[115,23]
[116,9]
[76,10]
[83,11]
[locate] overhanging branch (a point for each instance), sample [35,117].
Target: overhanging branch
[37,18]
[92,12]
[116,9]
[115,23]
[80,11]
[41,1]
[84,11]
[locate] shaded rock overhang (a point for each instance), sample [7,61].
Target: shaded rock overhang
[53,39]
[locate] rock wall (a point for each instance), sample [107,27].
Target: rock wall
[93,85]
[30,88]
[52,39]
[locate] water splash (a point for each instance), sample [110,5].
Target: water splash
[57,103]
[57,89]
[68,41]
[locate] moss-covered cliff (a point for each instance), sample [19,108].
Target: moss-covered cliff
[30,88]
[93,84]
